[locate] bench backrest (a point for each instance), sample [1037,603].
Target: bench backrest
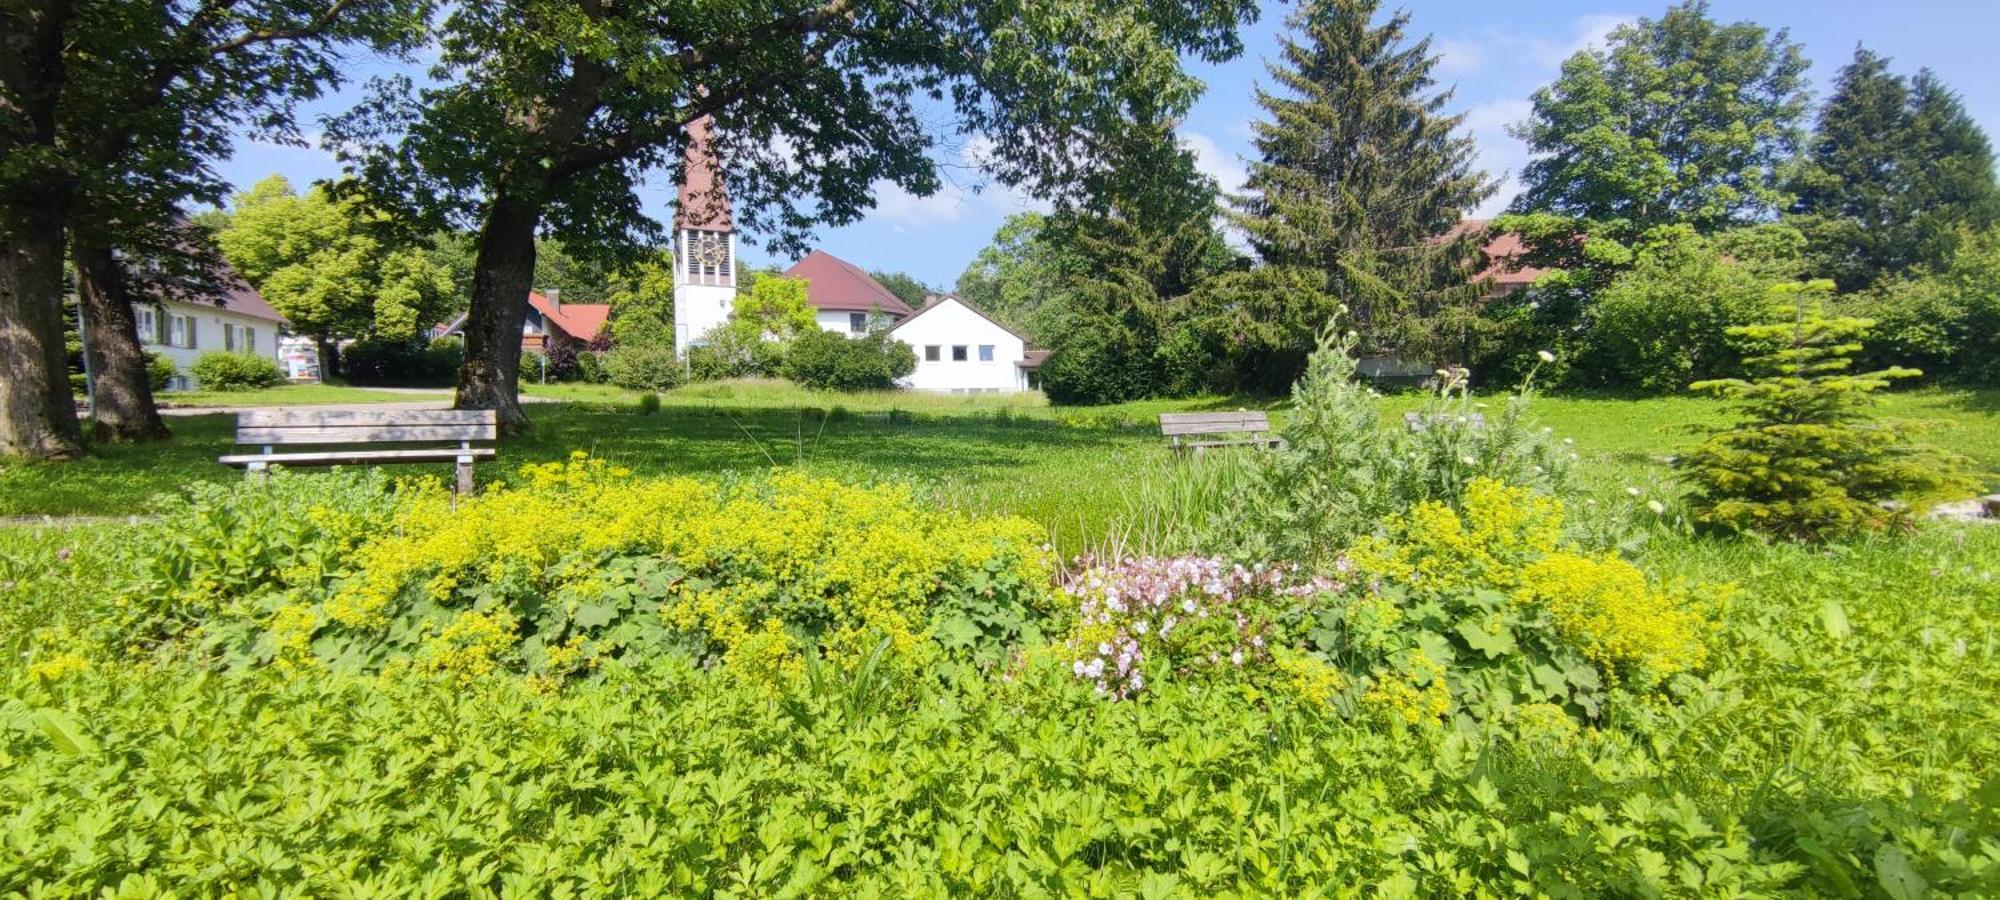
[1176,424]
[389,426]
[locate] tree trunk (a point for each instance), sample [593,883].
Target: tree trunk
[501,279]
[123,407]
[329,358]
[37,414]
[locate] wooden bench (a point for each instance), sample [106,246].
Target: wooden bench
[1253,427]
[1419,421]
[306,427]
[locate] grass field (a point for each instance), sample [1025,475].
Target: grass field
[1076,470]
[297,395]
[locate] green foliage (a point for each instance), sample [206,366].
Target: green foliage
[642,310]
[1340,473]
[726,352]
[160,371]
[1019,272]
[330,266]
[1665,322]
[1359,172]
[1678,120]
[403,363]
[1805,459]
[649,403]
[220,371]
[830,361]
[644,367]
[1947,321]
[1896,173]
[907,288]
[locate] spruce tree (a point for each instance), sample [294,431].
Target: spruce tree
[1359,179]
[1895,171]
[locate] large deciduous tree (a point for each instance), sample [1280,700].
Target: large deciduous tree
[1359,182]
[1895,173]
[330,271]
[549,112]
[110,113]
[1680,120]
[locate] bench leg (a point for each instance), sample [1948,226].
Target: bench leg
[465,475]
[258,472]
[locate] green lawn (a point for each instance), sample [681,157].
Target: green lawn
[297,395]
[1081,472]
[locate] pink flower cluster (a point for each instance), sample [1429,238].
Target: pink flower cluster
[1139,604]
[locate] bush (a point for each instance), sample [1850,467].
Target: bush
[1665,323]
[644,367]
[404,363]
[649,403]
[1805,460]
[1097,362]
[219,371]
[590,367]
[828,361]
[725,352]
[1340,473]
[160,371]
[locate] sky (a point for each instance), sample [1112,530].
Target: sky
[1495,55]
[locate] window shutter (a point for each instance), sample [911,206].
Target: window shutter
[249,340]
[192,344]
[160,327]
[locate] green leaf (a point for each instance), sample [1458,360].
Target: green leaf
[1835,617]
[1494,644]
[594,615]
[1893,872]
[62,731]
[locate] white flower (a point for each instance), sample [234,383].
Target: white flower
[1658,508]
[1468,460]
[1632,491]
[1546,356]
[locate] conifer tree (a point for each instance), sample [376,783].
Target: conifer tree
[1896,169]
[1359,178]
[1807,460]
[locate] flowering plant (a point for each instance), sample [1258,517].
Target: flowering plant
[1151,617]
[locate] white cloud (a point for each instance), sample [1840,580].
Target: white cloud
[1210,159]
[1500,154]
[1588,32]
[1459,57]
[905,210]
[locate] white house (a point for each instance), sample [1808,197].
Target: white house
[182,332]
[844,298]
[962,350]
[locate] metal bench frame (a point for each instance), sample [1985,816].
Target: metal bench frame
[1255,426]
[273,428]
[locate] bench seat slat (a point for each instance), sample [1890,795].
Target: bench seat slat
[337,457]
[1196,418]
[307,417]
[363,434]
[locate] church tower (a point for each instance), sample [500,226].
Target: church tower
[704,242]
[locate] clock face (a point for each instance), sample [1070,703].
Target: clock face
[711,251]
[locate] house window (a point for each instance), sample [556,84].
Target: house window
[958,353]
[180,331]
[239,338]
[933,353]
[149,327]
[985,352]
[857,322]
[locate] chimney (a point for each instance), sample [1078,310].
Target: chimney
[555,298]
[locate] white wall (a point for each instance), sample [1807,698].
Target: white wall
[698,308]
[838,321]
[208,336]
[951,324]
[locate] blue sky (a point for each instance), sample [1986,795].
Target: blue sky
[1496,54]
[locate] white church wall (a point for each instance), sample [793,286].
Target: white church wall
[946,330]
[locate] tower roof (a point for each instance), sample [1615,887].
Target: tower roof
[835,283]
[704,201]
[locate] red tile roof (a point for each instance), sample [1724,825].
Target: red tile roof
[583,321]
[704,201]
[240,298]
[836,284]
[1501,251]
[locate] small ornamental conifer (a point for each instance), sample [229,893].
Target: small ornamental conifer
[1806,460]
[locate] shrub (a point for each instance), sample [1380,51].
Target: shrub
[1097,361]
[825,360]
[404,363]
[644,367]
[1805,460]
[580,563]
[1665,323]
[649,403]
[726,352]
[590,367]
[160,371]
[219,371]
[1340,473]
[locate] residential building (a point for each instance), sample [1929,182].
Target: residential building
[844,298]
[962,350]
[550,324]
[242,322]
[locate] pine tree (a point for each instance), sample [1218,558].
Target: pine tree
[1896,170]
[1360,177]
[1807,460]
